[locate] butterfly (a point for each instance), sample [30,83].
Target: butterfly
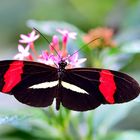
[80,89]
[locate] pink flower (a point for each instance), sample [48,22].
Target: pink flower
[65,35]
[54,44]
[30,38]
[74,61]
[71,35]
[54,55]
[23,52]
[46,58]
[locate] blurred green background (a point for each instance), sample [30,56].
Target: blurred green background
[117,122]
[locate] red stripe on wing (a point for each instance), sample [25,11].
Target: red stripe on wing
[107,85]
[13,76]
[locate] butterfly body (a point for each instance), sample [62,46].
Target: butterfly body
[79,89]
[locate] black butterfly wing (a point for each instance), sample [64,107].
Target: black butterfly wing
[16,77]
[81,89]
[100,86]
[73,97]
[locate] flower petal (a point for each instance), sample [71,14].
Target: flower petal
[36,37]
[32,34]
[20,48]
[82,60]
[24,37]
[73,35]
[74,57]
[27,48]
[28,38]
[19,56]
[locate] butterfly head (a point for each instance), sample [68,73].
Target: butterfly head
[62,64]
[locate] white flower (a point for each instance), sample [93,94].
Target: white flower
[23,52]
[31,37]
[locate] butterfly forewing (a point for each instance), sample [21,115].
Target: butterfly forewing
[4,65]
[28,74]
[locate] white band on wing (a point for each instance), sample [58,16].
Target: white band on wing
[73,87]
[45,85]
[66,85]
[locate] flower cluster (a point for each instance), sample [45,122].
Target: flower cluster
[24,51]
[54,55]
[106,35]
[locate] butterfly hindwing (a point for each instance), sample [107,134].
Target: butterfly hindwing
[80,94]
[25,74]
[102,87]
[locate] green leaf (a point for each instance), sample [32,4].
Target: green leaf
[115,60]
[15,133]
[19,122]
[127,135]
[131,47]
[133,68]
[107,116]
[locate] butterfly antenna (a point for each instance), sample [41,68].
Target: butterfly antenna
[84,46]
[47,41]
